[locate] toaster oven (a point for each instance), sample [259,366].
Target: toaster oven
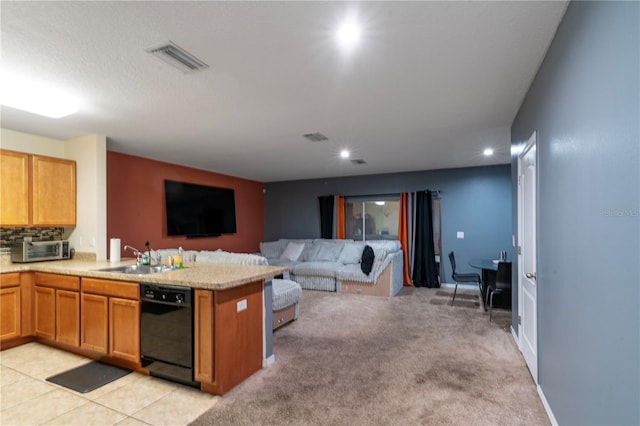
[37,251]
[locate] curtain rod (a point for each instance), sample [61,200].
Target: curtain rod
[390,194]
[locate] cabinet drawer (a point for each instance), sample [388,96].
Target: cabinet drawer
[10,280]
[126,290]
[64,282]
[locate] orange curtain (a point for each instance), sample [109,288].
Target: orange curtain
[340,217]
[403,236]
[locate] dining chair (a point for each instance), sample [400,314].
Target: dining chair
[502,284]
[465,277]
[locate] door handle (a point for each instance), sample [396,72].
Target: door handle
[530,275]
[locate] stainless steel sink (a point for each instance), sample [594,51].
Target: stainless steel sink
[136,269]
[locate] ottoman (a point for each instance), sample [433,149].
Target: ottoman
[286,295]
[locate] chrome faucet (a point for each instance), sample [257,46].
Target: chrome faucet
[136,252]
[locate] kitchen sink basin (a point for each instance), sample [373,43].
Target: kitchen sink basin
[136,269]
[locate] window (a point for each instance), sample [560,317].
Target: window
[370,218]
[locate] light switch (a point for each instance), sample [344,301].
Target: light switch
[460,235]
[241,305]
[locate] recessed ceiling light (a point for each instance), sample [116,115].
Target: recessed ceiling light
[345,153]
[488,152]
[348,34]
[36,98]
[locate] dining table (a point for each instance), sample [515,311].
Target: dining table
[489,268]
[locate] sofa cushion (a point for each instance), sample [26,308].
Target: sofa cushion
[366,264]
[351,253]
[292,251]
[285,293]
[320,269]
[283,262]
[326,252]
[272,249]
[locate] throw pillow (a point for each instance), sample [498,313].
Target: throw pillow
[366,264]
[351,253]
[292,252]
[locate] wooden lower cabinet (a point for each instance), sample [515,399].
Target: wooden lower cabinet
[57,308]
[227,336]
[44,318]
[94,322]
[16,291]
[10,313]
[10,306]
[68,317]
[124,329]
[111,318]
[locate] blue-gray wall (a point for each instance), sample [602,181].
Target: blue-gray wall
[475,200]
[584,104]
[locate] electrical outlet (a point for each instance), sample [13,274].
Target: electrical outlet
[460,235]
[241,305]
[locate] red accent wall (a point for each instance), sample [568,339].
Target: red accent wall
[135,205]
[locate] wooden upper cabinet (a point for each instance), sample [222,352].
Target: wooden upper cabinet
[36,190]
[14,188]
[54,191]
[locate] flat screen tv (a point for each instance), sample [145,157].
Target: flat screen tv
[199,211]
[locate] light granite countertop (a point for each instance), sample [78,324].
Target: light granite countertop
[194,275]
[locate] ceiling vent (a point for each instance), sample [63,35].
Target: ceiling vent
[316,137]
[176,56]
[358,161]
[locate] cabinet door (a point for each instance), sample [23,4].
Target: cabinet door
[124,329]
[203,336]
[14,188]
[54,191]
[68,317]
[44,312]
[237,334]
[94,322]
[10,313]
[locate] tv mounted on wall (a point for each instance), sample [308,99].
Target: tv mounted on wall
[198,210]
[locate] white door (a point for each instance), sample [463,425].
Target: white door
[527,270]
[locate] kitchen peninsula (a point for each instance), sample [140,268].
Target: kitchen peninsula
[72,305]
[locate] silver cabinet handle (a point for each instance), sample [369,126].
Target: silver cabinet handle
[530,275]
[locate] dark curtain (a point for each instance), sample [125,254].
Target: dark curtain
[326,216]
[425,271]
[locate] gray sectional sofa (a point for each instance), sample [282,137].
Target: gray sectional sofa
[335,265]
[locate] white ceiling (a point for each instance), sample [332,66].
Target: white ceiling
[430,86]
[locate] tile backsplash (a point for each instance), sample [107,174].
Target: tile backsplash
[12,235]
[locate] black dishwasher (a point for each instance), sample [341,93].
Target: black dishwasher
[166,332]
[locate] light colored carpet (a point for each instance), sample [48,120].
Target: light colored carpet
[408,360]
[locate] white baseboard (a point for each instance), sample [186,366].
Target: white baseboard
[266,363]
[515,337]
[547,408]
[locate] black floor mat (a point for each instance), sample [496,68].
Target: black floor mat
[88,377]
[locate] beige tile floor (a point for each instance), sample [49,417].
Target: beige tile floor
[26,398]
